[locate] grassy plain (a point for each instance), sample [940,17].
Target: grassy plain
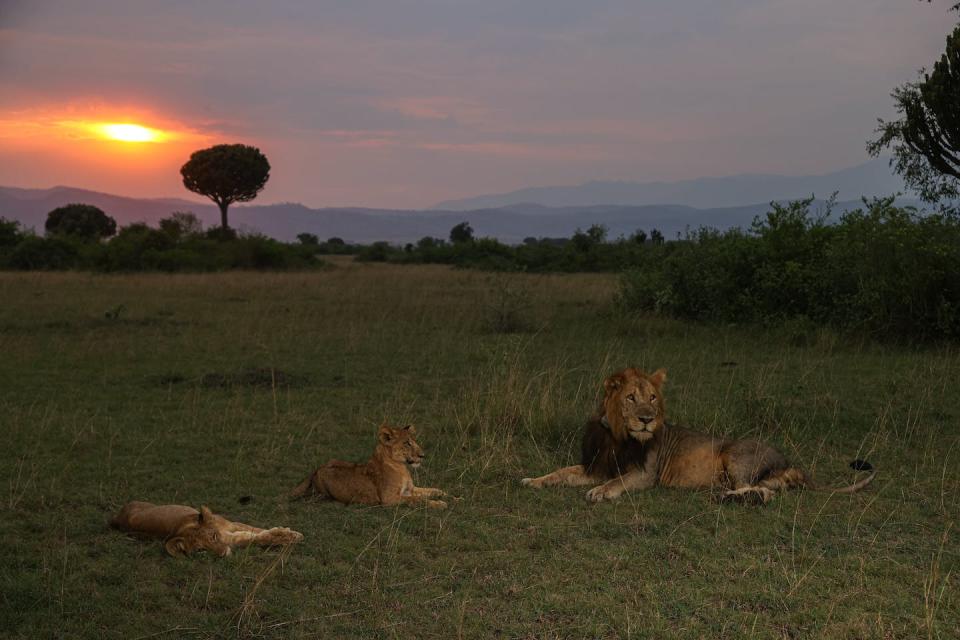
[125,387]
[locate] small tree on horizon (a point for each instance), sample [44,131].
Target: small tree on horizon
[226,173]
[656,236]
[10,233]
[83,221]
[461,233]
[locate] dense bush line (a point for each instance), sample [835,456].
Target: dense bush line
[138,247]
[585,251]
[881,269]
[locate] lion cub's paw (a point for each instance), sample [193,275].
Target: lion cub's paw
[282,535]
[436,504]
[529,482]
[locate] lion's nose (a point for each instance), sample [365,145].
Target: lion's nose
[646,419]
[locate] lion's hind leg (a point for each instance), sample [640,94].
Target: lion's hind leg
[305,488]
[573,476]
[755,472]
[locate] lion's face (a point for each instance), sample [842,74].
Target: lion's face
[633,403]
[400,444]
[203,535]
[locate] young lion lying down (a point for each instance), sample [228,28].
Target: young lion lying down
[382,480]
[186,530]
[629,445]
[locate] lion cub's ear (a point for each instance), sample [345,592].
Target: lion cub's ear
[205,515]
[385,434]
[658,377]
[412,430]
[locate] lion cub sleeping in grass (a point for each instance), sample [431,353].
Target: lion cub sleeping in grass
[186,530]
[629,445]
[382,480]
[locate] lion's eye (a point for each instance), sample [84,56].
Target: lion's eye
[653,397]
[632,398]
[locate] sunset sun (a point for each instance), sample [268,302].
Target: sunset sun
[126,132]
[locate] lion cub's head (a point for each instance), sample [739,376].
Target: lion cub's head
[400,445]
[633,403]
[203,534]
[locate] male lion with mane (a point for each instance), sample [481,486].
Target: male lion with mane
[629,445]
[383,480]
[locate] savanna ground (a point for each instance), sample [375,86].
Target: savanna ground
[228,389]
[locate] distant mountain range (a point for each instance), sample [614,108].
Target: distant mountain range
[510,222]
[873,178]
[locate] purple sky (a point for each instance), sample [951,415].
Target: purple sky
[405,103]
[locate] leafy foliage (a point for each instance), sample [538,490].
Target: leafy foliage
[34,253]
[926,140]
[10,233]
[181,225]
[881,269]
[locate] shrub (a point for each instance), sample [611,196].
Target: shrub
[10,233]
[181,225]
[133,249]
[35,253]
[80,221]
[377,252]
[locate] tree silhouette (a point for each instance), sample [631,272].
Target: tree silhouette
[226,173]
[656,236]
[9,232]
[83,221]
[926,140]
[461,233]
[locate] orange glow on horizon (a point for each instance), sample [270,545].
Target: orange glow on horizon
[43,128]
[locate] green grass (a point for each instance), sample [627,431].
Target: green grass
[97,410]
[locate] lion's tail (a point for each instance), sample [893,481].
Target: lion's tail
[856,465]
[793,478]
[303,489]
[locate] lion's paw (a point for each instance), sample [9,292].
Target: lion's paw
[529,482]
[597,494]
[436,504]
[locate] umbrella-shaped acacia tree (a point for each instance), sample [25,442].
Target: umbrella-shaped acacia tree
[226,173]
